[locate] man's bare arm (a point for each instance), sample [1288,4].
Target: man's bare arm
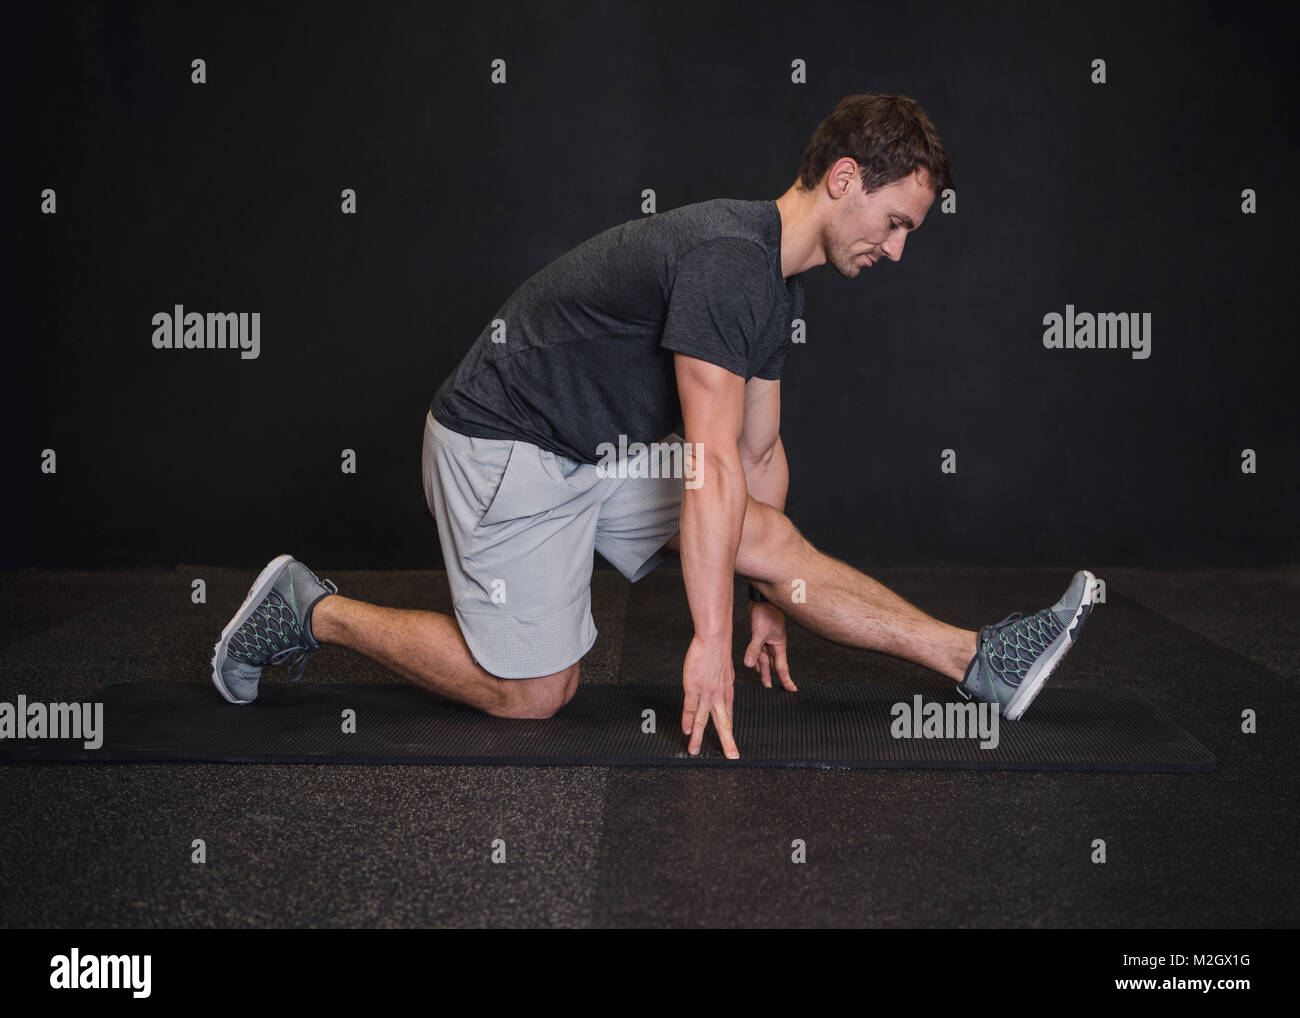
[712,517]
[762,456]
[713,513]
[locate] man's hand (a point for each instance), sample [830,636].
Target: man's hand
[709,681]
[767,644]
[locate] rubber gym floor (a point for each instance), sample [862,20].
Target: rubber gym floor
[109,845]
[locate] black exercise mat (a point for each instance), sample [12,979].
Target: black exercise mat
[820,726]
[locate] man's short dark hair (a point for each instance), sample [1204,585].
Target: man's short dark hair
[889,136]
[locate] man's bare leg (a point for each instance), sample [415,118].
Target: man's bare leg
[842,604]
[428,649]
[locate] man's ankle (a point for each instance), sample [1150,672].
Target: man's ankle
[963,663]
[322,624]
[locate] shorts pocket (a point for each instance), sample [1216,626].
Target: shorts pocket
[510,499]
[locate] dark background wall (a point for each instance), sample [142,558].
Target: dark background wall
[225,196]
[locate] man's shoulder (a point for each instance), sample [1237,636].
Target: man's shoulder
[729,233]
[723,217]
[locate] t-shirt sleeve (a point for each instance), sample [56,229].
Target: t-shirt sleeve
[775,364]
[771,371]
[720,301]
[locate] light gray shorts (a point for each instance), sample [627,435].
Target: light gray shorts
[518,525]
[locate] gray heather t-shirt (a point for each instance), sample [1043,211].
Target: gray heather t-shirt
[587,350]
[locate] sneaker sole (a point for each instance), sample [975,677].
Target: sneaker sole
[255,594]
[1045,665]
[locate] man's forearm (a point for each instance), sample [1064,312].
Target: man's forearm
[713,515]
[768,479]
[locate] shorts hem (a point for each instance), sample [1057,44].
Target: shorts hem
[513,648]
[647,567]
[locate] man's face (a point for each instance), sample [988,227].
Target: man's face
[867,227]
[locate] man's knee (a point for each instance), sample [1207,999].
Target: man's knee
[536,698]
[766,533]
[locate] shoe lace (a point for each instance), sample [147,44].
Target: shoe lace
[1007,650]
[301,652]
[298,663]
[278,625]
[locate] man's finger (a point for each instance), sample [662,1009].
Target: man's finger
[697,737]
[723,721]
[765,669]
[754,652]
[689,709]
[783,670]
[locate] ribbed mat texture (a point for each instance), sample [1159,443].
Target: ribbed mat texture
[820,726]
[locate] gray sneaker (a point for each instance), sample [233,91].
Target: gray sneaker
[273,622]
[1017,655]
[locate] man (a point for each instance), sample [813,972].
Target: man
[681,320]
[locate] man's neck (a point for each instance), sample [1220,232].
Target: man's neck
[801,231]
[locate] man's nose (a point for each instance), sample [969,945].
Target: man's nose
[893,247]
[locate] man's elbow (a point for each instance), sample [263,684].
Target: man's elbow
[720,460]
[761,460]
